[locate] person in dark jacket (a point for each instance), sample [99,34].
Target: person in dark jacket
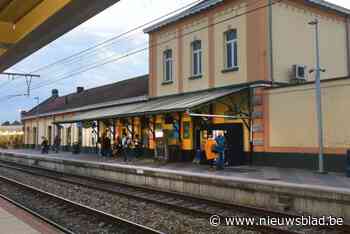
[44,146]
[220,148]
[105,146]
[57,143]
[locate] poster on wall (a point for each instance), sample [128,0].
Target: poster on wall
[186,130]
[175,133]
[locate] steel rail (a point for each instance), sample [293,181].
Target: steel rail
[175,200]
[86,209]
[37,215]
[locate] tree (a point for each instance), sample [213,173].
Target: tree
[15,123]
[6,123]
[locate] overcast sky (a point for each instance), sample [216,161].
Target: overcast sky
[117,19]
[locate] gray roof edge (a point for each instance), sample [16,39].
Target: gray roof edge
[123,101]
[225,92]
[188,12]
[331,6]
[211,3]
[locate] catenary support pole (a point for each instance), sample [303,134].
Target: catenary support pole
[319,98]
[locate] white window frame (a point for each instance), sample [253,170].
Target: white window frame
[171,67]
[234,44]
[199,54]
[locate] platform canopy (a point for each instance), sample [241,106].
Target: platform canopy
[161,105]
[28,25]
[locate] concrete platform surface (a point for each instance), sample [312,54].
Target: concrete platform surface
[269,175]
[14,220]
[293,190]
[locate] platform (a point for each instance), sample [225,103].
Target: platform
[295,190]
[17,221]
[268,174]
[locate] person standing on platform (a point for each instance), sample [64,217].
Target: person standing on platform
[57,143]
[102,142]
[125,146]
[220,148]
[107,146]
[137,145]
[209,148]
[117,147]
[44,146]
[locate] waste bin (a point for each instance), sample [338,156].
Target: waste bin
[348,163]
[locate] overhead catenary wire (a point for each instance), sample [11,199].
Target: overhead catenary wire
[102,45]
[113,39]
[158,44]
[6,83]
[137,51]
[149,23]
[297,88]
[145,48]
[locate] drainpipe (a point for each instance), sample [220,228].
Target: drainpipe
[270,41]
[347,25]
[251,122]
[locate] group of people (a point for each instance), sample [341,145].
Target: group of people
[45,145]
[214,149]
[128,147]
[124,146]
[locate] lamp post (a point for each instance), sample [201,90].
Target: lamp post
[318,97]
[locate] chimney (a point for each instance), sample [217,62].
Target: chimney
[55,93]
[80,89]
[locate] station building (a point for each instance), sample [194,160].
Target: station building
[237,67]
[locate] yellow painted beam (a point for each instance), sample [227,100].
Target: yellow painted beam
[2,51]
[6,33]
[16,9]
[37,16]
[10,33]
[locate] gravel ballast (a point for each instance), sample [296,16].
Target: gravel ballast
[145,213]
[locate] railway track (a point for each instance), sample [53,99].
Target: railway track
[68,216]
[182,203]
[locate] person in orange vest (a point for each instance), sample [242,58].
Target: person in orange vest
[209,146]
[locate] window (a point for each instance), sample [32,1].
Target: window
[168,66]
[196,58]
[231,49]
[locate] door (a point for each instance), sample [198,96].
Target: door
[234,146]
[234,153]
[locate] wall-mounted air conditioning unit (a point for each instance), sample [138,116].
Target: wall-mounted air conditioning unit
[299,72]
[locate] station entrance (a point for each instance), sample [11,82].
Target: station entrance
[234,145]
